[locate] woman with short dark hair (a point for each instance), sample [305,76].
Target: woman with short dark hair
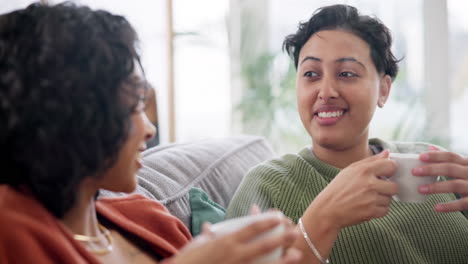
[337,190]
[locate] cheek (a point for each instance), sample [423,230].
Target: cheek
[365,107]
[305,97]
[365,94]
[138,125]
[305,102]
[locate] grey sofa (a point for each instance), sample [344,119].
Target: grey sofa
[214,165]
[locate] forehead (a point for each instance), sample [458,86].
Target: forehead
[336,44]
[138,76]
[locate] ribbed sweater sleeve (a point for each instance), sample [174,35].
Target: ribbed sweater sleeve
[255,188]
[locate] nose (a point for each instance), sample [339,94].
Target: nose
[328,89]
[150,129]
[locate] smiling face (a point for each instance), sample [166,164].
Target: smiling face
[338,88]
[121,176]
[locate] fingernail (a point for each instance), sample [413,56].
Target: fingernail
[255,209]
[433,148]
[296,256]
[293,254]
[418,171]
[439,207]
[294,233]
[424,189]
[424,156]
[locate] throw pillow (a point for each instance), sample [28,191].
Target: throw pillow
[203,210]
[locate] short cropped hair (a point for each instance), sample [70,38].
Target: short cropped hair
[347,18]
[65,84]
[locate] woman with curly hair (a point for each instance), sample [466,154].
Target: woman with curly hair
[72,121]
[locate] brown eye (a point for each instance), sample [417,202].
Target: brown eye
[310,74]
[141,104]
[347,74]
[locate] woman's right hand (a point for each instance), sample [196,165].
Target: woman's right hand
[359,193]
[238,247]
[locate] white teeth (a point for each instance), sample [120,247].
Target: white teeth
[330,114]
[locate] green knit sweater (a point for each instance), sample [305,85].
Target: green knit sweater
[410,233]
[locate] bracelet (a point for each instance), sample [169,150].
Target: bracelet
[311,245]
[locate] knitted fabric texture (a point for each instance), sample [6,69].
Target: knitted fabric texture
[410,233]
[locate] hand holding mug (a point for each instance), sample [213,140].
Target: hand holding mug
[244,240]
[445,164]
[358,193]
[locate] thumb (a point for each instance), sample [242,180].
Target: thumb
[382,155]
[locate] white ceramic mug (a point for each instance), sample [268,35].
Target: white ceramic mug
[232,225]
[408,183]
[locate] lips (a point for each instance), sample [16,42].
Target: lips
[139,160]
[139,163]
[326,114]
[329,115]
[142,147]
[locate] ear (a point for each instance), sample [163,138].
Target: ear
[384,90]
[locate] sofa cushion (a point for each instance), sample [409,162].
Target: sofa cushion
[213,165]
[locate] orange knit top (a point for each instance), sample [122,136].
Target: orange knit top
[30,234]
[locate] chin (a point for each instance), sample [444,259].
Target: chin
[130,190]
[324,139]
[328,143]
[131,186]
[127,186]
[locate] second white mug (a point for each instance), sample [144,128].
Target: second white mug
[408,183]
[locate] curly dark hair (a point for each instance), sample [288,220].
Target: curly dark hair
[347,18]
[66,97]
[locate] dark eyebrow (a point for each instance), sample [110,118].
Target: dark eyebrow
[310,58]
[350,59]
[340,60]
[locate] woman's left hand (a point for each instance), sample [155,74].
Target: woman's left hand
[443,163]
[238,247]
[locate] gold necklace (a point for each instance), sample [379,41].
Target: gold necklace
[105,234]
